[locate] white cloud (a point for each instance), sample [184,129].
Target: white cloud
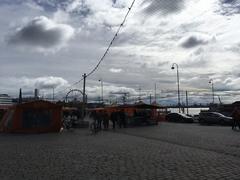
[115,70]
[198,59]
[42,33]
[48,82]
[45,84]
[233,48]
[228,84]
[110,92]
[61,17]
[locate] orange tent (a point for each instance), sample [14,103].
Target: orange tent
[32,117]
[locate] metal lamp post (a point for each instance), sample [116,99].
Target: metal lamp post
[53,94]
[100,80]
[211,82]
[155,93]
[175,64]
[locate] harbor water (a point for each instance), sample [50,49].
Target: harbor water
[192,111]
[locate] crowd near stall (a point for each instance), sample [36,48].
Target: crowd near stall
[39,116]
[130,115]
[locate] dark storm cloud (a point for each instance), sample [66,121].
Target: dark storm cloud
[41,32]
[164,6]
[229,7]
[194,40]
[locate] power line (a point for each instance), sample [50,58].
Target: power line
[111,42]
[116,34]
[108,48]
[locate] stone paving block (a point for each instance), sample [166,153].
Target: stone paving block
[167,151]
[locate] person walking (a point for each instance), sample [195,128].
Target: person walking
[99,119]
[105,120]
[113,118]
[236,118]
[93,122]
[122,119]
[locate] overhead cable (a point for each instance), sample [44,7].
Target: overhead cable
[108,48]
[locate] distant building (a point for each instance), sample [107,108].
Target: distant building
[24,99]
[36,94]
[5,99]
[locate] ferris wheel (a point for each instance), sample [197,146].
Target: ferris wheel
[74,95]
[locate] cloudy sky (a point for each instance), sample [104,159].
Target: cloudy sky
[48,44]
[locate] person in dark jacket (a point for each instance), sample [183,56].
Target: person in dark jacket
[113,118]
[99,119]
[122,117]
[236,118]
[105,120]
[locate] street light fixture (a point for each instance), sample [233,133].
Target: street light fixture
[156,98]
[155,93]
[175,64]
[211,82]
[100,80]
[53,94]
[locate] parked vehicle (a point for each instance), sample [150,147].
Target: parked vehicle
[214,118]
[179,117]
[196,118]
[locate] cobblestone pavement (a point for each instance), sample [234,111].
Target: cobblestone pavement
[167,151]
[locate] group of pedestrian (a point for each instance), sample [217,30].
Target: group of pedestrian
[101,119]
[236,118]
[119,118]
